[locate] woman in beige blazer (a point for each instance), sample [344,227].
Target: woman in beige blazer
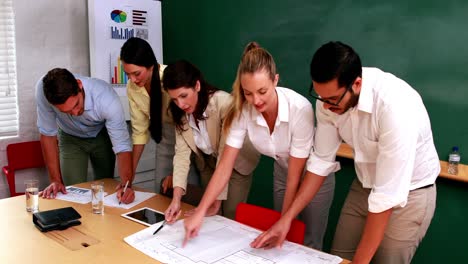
[198,110]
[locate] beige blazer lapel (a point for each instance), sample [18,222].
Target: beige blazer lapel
[187,134]
[213,125]
[216,105]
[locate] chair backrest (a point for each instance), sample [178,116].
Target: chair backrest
[24,155]
[263,218]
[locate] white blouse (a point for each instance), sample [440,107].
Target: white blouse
[292,134]
[200,134]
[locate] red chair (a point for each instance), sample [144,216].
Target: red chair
[24,155]
[263,218]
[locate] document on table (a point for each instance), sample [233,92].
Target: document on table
[220,241]
[111,199]
[76,195]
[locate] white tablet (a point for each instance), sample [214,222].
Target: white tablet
[145,216]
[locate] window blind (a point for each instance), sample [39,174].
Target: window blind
[8,84]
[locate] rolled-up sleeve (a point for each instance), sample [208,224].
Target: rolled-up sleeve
[395,159]
[322,158]
[113,113]
[46,116]
[302,132]
[237,132]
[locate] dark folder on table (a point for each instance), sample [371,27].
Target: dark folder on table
[57,219]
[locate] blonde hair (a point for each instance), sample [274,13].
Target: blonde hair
[254,59]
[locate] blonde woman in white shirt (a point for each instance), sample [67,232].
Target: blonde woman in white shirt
[198,110]
[280,124]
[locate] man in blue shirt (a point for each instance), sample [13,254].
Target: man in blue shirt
[81,118]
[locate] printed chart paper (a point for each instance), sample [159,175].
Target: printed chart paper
[220,241]
[111,200]
[76,195]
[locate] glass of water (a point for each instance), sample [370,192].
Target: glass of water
[97,198]
[32,195]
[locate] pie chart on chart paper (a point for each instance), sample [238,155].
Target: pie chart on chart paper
[118,16]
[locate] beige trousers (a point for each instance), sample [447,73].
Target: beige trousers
[405,230]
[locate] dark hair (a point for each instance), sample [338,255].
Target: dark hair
[335,60]
[59,85]
[184,74]
[138,52]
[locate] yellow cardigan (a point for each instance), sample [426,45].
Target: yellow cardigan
[139,102]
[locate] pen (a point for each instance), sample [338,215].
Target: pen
[125,188]
[159,228]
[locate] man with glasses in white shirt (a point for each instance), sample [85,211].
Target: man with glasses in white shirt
[392,201]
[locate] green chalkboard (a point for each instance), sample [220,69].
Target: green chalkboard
[424,42]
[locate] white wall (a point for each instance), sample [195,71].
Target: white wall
[49,34]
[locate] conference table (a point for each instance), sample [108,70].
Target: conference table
[22,242]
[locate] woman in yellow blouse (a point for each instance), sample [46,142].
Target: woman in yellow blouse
[148,106]
[198,110]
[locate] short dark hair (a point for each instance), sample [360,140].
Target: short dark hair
[184,74]
[59,84]
[335,60]
[139,52]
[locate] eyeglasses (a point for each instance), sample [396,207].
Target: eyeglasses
[337,103]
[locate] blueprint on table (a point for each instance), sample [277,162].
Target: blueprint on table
[220,241]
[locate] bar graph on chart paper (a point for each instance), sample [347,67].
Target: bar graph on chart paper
[117,74]
[121,33]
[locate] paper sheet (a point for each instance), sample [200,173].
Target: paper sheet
[220,241]
[111,200]
[76,195]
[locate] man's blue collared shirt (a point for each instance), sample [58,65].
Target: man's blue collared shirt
[102,107]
